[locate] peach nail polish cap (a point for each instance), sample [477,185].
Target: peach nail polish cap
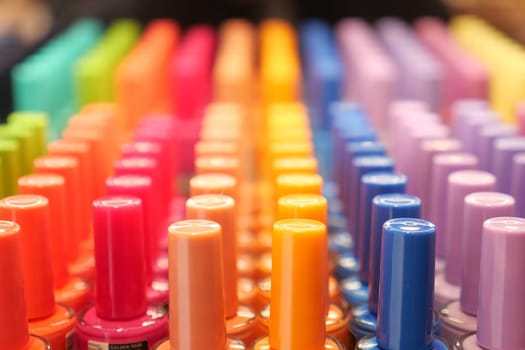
[221,209]
[197,319]
[213,183]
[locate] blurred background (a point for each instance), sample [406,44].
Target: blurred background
[25,24]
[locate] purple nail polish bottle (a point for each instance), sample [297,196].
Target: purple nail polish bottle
[501,311]
[459,316]
[517,185]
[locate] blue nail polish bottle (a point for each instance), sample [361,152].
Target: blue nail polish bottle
[384,207]
[353,289]
[373,184]
[406,288]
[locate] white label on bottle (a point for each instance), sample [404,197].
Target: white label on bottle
[95,345]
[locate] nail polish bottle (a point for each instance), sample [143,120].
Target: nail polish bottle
[501,288]
[406,288]
[121,315]
[353,150]
[160,154]
[429,149]
[294,165]
[147,166]
[459,184]
[71,291]
[354,290]
[459,317]
[312,207]
[51,321]
[384,207]
[197,314]
[13,318]
[140,187]
[373,184]
[486,138]
[504,149]
[241,320]
[298,183]
[360,166]
[214,183]
[223,184]
[81,152]
[299,304]
[517,187]
[95,139]
[80,259]
[442,166]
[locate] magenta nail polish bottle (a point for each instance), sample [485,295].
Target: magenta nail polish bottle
[121,315]
[140,186]
[501,310]
[459,316]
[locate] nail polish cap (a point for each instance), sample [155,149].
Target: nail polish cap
[298,183]
[221,209]
[299,284]
[442,166]
[406,287]
[385,207]
[67,167]
[294,165]
[52,187]
[460,184]
[360,167]
[120,284]
[373,184]
[214,183]
[144,166]
[478,207]
[155,151]
[217,148]
[303,206]
[360,148]
[501,289]
[195,269]
[31,212]
[80,150]
[9,158]
[517,186]
[140,187]
[503,152]
[99,149]
[38,122]
[486,137]
[226,165]
[13,318]
[283,149]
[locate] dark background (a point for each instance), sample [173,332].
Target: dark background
[214,11]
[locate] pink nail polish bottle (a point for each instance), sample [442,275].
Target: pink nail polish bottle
[140,187]
[442,166]
[501,313]
[459,316]
[428,150]
[459,184]
[121,315]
